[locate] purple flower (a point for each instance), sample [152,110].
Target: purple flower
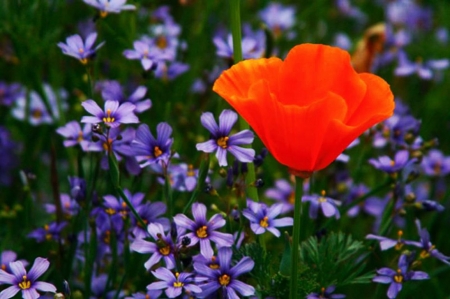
[386,243]
[262,218]
[111,90]
[162,248]
[225,277]
[149,150]
[278,18]
[49,232]
[252,46]
[387,165]
[8,151]
[396,277]
[77,188]
[203,231]
[173,283]
[20,280]
[149,213]
[112,116]
[221,142]
[78,49]
[149,54]
[109,6]
[10,92]
[428,249]
[69,206]
[326,294]
[170,71]
[75,135]
[435,164]
[284,193]
[326,204]
[148,295]
[6,257]
[423,70]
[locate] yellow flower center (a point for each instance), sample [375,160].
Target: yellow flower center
[190,171]
[264,222]
[161,42]
[165,250]
[110,211]
[107,146]
[222,142]
[37,113]
[108,118]
[157,151]
[103,13]
[177,284]
[25,284]
[83,61]
[202,232]
[322,197]
[224,280]
[398,277]
[399,244]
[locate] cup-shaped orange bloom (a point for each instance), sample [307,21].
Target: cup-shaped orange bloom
[308,108]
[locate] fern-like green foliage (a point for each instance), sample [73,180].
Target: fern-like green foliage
[335,259]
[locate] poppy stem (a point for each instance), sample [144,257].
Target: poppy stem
[235,19]
[296,236]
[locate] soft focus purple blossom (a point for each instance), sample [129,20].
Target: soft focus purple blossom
[222,142]
[69,206]
[204,231]
[174,283]
[113,114]
[77,188]
[37,109]
[161,247]
[347,9]
[342,41]
[408,13]
[428,249]
[78,49]
[6,257]
[328,206]
[396,278]
[283,192]
[279,19]
[263,218]
[148,53]
[148,295]
[423,69]
[387,165]
[435,164]
[170,71]
[109,6]
[224,279]
[100,289]
[75,135]
[50,232]
[326,293]
[149,150]
[25,282]
[9,92]
[111,90]
[387,243]
[253,46]
[9,158]
[150,212]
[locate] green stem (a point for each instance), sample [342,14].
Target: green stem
[296,236]
[235,10]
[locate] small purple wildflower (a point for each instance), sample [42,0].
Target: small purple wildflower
[387,165]
[428,249]
[221,142]
[262,217]
[69,206]
[149,150]
[224,279]
[10,92]
[435,164]
[8,151]
[396,278]
[148,53]
[75,135]
[170,71]
[162,248]
[326,204]
[148,295]
[326,293]
[109,6]
[77,188]
[25,282]
[252,46]
[387,243]
[111,90]
[149,212]
[78,49]
[203,231]
[50,232]
[6,257]
[283,192]
[113,114]
[173,283]
[279,18]
[423,69]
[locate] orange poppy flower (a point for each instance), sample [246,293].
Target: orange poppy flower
[308,108]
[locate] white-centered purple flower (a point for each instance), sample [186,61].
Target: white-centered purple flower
[222,142]
[224,278]
[396,278]
[262,217]
[174,283]
[161,248]
[113,114]
[149,149]
[25,282]
[110,6]
[328,205]
[203,231]
[78,49]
